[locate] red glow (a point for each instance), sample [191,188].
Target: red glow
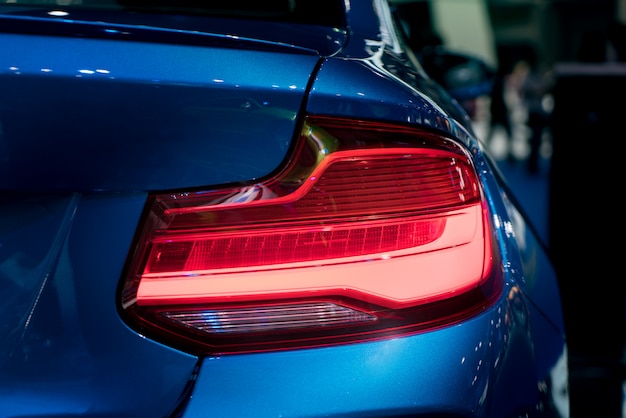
[388,216]
[286,245]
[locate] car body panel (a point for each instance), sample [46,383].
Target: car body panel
[92,124]
[409,375]
[63,349]
[383,97]
[158,112]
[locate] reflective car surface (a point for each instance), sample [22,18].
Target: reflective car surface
[267,209]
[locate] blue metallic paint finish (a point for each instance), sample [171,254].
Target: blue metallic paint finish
[137,116]
[525,262]
[358,89]
[539,282]
[461,367]
[77,361]
[63,348]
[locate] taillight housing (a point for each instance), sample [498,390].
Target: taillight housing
[371,230]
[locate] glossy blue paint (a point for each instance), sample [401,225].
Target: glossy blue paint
[90,125]
[468,368]
[139,116]
[527,264]
[362,88]
[63,348]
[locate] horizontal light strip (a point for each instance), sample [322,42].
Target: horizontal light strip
[392,280]
[263,318]
[288,244]
[460,227]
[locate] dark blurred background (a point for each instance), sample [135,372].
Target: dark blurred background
[555,123]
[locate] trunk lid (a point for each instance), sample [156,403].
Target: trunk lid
[93,114]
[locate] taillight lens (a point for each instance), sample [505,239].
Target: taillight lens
[371,230]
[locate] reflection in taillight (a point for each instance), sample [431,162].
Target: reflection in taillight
[370,230]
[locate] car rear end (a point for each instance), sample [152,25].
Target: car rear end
[243,216]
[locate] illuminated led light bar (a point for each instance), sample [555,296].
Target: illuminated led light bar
[392,279]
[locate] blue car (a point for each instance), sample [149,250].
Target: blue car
[256,209]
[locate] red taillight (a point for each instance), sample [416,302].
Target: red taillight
[370,230]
